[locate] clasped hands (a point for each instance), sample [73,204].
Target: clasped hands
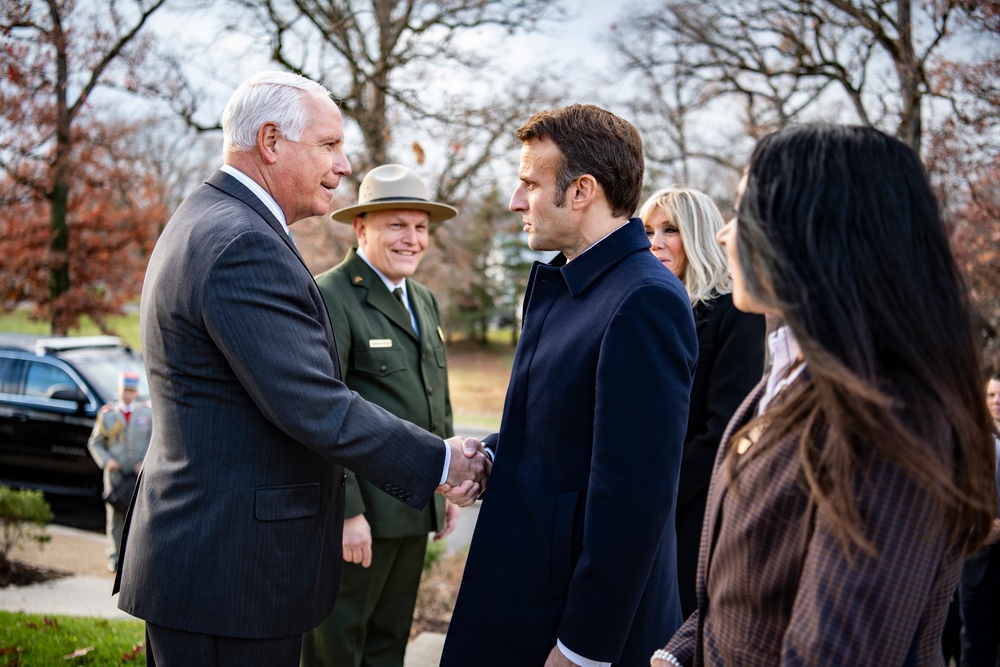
[468,473]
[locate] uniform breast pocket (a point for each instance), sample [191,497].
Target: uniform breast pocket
[379,363]
[439,355]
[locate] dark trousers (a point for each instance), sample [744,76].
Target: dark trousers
[370,622]
[979,600]
[166,647]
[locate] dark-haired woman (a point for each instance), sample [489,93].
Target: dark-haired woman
[681,224]
[855,478]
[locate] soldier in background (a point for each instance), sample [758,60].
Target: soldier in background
[118,444]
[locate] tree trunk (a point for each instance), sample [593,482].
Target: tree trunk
[910,127]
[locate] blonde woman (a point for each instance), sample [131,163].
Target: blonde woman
[681,224]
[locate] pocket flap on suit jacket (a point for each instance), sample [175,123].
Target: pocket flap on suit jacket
[294,501]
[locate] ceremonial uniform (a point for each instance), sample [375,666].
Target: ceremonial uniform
[121,433]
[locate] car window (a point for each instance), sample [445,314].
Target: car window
[43,377]
[5,363]
[102,369]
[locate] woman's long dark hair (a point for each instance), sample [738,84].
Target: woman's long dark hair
[840,232]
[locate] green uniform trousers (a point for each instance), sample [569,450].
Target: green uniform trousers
[370,622]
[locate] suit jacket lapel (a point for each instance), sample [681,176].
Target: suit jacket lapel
[743,414]
[228,184]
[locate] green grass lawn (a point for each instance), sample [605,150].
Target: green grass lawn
[124,326]
[33,640]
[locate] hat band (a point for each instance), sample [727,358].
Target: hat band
[384,199]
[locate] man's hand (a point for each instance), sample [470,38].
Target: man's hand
[557,659]
[451,513]
[468,473]
[113,465]
[358,541]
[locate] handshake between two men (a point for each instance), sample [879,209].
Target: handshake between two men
[468,472]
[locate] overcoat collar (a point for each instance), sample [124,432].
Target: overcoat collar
[233,187]
[379,297]
[589,266]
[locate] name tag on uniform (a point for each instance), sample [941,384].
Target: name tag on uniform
[376,343]
[440,334]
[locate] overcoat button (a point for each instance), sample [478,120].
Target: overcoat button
[382,368]
[409,496]
[394,490]
[430,391]
[387,486]
[343,480]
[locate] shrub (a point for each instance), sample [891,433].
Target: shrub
[435,551]
[24,514]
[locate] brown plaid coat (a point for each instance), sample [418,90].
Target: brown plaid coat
[775,587]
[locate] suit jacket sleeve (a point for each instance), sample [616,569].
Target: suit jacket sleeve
[271,332]
[635,465]
[682,644]
[737,366]
[886,594]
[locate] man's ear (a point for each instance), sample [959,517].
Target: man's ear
[267,142]
[359,229]
[583,191]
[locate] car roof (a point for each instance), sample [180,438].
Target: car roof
[42,345]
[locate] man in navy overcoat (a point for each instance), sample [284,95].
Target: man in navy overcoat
[573,560]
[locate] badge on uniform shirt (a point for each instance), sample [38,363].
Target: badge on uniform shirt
[440,334]
[375,343]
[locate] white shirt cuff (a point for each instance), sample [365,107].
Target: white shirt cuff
[447,462]
[579,659]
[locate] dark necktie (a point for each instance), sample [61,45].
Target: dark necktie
[398,293]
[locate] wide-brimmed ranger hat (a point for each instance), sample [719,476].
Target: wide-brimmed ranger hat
[393,187]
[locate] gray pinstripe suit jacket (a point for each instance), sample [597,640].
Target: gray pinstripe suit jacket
[236,526]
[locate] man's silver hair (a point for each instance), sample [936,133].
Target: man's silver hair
[268,96]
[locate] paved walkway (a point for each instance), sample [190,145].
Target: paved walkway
[88,591]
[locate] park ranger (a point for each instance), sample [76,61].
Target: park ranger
[391,347]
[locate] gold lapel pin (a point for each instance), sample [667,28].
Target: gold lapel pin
[751,438]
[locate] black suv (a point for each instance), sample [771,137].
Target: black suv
[50,392]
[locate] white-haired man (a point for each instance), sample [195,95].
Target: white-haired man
[232,546]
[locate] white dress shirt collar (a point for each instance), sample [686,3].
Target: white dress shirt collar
[389,285]
[785,364]
[261,193]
